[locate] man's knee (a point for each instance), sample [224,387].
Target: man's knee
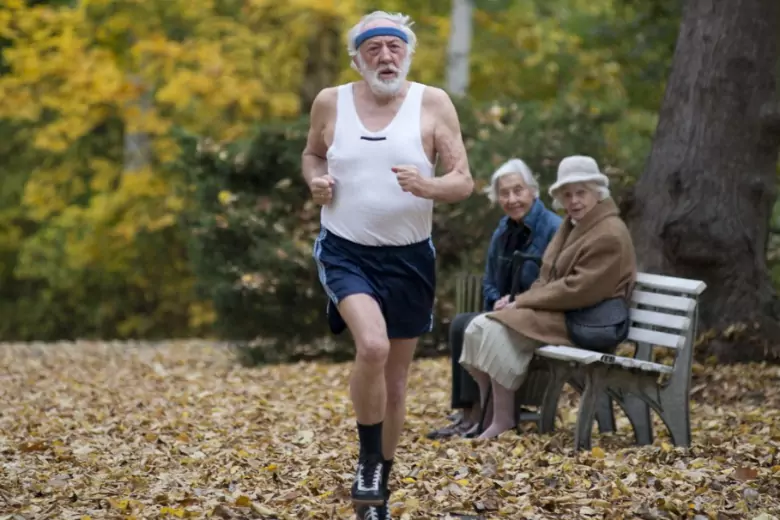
[364,318]
[372,349]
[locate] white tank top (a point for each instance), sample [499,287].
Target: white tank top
[368,205]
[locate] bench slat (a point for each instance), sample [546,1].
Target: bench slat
[671,283]
[587,357]
[663,301]
[660,319]
[655,337]
[638,364]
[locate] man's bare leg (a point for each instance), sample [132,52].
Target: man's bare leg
[364,319]
[367,389]
[396,379]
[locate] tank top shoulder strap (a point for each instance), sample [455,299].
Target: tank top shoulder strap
[412,107]
[345,101]
[346,116]
[416,91]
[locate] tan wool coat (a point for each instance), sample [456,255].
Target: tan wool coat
[593,260]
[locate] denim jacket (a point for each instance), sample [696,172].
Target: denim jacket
[542,224]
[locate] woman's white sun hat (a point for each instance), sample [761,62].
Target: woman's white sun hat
[578,168]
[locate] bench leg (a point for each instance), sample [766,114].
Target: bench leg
[594,388]
[676,417]
[637,393]
[523,415]
[638,413]
[558,375]
[605,415]
[531,393]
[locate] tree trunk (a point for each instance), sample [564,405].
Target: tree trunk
[459,47]
[137,145]
[702,208]
[323,60]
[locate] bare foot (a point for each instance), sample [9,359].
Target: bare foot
[495,429]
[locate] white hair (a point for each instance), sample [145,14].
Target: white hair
[516,167]
[601,191]
[403,21]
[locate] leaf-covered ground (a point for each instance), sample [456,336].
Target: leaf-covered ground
[96,430]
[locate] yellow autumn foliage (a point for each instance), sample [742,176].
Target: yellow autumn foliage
[83,77]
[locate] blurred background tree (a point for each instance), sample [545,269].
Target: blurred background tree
[703,207]
[89,94]
[150,150]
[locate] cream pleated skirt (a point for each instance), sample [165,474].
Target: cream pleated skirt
[503,353]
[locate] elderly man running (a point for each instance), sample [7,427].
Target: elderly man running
[369,161]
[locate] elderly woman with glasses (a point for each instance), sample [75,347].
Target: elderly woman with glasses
[526,227]
[590,260]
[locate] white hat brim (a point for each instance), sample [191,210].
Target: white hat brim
[598,178]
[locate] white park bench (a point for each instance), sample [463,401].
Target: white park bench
[664,313]
[468,299]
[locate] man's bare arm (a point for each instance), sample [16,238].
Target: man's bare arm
[313,161]
[456,184]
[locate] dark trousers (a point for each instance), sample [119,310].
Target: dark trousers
[465,391]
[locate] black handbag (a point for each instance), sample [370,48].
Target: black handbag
[600,327]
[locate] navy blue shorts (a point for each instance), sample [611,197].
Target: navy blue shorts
[402,279]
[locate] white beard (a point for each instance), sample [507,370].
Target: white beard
[385,87]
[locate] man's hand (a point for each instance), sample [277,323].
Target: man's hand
[322,189]
[411,181]
[501,303]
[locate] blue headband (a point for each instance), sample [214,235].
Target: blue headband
[380,31]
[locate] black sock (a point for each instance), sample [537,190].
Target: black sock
[386,468]
[370,436]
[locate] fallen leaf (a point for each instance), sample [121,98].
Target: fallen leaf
[172,511]
[212,438]
[243,501]
[305,437]
[31,446]
[745,474]
[261,509]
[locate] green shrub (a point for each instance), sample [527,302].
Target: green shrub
[252,225]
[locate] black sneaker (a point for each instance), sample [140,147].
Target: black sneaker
[373,512]
[368,488]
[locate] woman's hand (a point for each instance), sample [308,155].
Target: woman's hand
[501,303]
